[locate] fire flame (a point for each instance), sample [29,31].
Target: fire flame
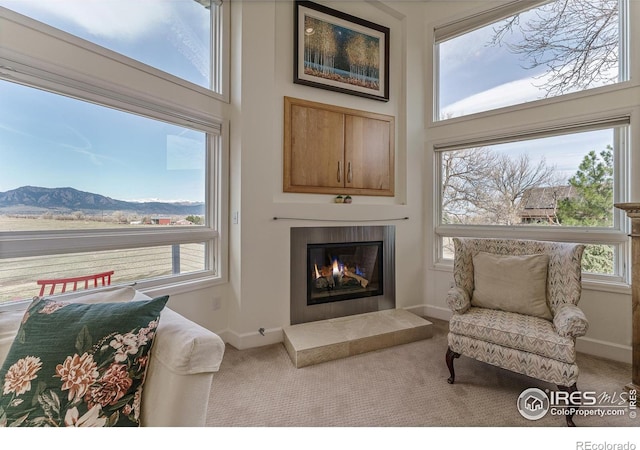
[336,268]
[317,273]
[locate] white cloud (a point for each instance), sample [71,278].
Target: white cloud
[507,94]
[511,93]
[124,19]
[470,48]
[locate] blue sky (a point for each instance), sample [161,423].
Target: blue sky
[51,141]
[469,66]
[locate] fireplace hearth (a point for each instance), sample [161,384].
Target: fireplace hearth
[341,271]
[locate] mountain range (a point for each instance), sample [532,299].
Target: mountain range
[38,200]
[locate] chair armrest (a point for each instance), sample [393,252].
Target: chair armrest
[185,347]
[570,321]
[458,300]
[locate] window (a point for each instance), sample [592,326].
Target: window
[525,186]
[527,51]
[180,37]
[553,167]
[94,179]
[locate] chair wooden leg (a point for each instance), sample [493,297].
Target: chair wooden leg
[449,357]
[572,406]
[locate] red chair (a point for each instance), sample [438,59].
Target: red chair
[102,279]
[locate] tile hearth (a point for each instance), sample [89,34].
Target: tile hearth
[325,340]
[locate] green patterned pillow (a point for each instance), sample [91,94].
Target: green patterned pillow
[75,364]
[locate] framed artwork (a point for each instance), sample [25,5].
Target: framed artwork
[340,52]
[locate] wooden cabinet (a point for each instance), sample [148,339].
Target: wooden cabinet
[334,150]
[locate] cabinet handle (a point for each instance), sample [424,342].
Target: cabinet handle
[339,172]
[349,173]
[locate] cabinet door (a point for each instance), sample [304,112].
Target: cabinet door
[369,155]
[315,153]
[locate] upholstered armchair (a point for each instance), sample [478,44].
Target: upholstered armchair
[514,306]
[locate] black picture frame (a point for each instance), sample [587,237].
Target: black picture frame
[340,52]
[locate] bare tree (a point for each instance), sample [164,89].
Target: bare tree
[576,40]
[509,179]
[464,176]
[119,217]
[481,186]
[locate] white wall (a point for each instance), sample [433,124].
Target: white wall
[259,295]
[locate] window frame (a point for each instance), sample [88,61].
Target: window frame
[596,105]
[220,58]
[483,16]
[616,236]
[35,70]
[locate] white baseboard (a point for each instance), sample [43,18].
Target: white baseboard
[604,349]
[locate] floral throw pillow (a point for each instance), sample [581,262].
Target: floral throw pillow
[75,364]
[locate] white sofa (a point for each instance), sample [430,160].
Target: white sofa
[183,359]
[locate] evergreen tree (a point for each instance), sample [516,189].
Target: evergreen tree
[593,182]
[592,206]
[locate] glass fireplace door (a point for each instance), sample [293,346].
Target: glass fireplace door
[343,271]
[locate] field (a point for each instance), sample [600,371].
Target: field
[18,275]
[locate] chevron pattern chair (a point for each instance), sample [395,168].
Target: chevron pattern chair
[514,306]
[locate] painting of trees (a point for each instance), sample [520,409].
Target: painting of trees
[340,52]
[320,46]
[363,56]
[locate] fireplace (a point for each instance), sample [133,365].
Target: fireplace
[341,271]
[344,271]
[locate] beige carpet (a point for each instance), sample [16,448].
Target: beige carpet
[401,386]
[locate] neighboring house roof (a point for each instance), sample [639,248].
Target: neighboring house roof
[542,202]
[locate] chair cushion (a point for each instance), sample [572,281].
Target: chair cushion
[532,365]
[518,331]
[78,364]
[516,283]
